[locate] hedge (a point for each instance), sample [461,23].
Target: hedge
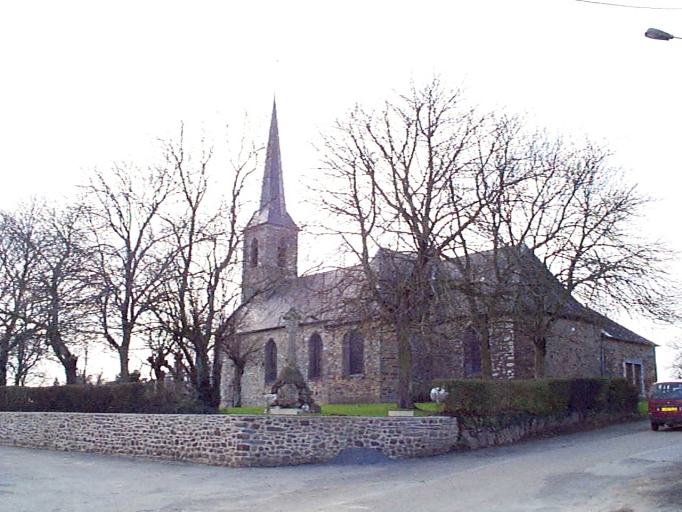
[538,397]
[137,397]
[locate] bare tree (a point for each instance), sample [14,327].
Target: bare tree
[462,203]
[202,293]
[52,293]
[397,179]
[676,365]
[18,268]
[575,221]
[65,316]
[28,353]
[127,267]
[162,346]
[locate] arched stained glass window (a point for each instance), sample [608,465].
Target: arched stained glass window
[353,354]
[472,352]
[270,361]
[315,356]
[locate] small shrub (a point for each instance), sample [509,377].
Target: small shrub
[584,394]
[620,396]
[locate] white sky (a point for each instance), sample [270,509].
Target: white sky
[86,83]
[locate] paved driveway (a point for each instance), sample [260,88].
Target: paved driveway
[626,468]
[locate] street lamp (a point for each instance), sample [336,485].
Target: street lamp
[654,33]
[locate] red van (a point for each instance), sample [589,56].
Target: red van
[665,404]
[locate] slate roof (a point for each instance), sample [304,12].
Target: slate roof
[331,297]
[320,297]
[531,270]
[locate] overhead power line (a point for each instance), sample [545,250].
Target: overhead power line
[631,6]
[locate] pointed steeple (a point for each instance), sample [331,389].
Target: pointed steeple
[271,236]
[272,206]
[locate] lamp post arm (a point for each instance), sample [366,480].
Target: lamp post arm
[660,35]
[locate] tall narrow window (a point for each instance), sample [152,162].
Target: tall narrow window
[353,354]
[282,254]
[254,253]
[315,356]
[632,371]
[472,352]
[270,361]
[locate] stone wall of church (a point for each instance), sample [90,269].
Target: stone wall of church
[332,387]
[502,351]
[440,357]
[388,369]
[617,353]
[270,255]
[253,380]
[434,356]
[335,387]
[574,349]
[524,357]
[228,440]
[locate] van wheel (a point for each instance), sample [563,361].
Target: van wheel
[655,426]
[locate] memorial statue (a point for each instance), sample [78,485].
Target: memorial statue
[290,388]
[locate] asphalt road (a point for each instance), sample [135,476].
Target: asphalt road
[625,468]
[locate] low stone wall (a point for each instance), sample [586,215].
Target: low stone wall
[474,437]
[229,440]
[242,441]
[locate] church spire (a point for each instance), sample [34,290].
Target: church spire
[271,236]
[272,208]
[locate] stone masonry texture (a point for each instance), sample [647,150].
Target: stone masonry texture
[228,440]
[250,441]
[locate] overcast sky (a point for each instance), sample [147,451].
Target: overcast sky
[87,83]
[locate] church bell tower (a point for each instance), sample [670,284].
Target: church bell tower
[271,236]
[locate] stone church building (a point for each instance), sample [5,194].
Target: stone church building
[346,359]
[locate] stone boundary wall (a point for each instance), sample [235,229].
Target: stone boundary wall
[228,440]
[473,438]
[249,441]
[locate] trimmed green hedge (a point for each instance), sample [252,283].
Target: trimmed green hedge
[136,397]
[538,397]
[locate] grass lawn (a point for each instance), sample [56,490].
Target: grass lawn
[423,409]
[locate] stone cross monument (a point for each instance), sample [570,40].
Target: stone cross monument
[291,389]
[291,320]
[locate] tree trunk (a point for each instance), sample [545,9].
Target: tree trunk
[405,395]
[486,359]
[68,361]
[158,362]
[206,396]
[124,376]
[71,369]
[542,329]
[4,359]
[540,343]
[217,371]
[205,392]
[237,385]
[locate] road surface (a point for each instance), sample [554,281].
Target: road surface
[624,468]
